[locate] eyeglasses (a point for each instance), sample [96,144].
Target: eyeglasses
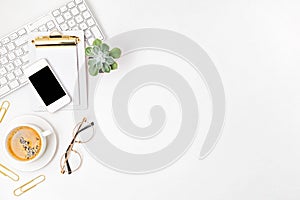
[71,160]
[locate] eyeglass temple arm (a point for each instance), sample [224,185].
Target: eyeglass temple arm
[74,138]
[68,164]
[84,128]
[71,145]
[67,153]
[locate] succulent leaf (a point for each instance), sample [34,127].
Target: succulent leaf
[96,50]
[92,62]
[89,51]
[115,53]
[93,70]
[97,42]
[114,66]
[109,60]
[106,68]
[99,64]
[104,47]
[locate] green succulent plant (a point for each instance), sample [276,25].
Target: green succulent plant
[100,58]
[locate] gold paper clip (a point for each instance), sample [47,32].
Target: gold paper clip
[3,109]
[10,174]
[55,39]
[29,185]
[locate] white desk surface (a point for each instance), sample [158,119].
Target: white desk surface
[255,46]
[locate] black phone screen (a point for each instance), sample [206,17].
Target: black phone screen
[47,86]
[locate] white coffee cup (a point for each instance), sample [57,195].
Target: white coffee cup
[14,134]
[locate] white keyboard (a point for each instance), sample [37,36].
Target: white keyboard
[75,15]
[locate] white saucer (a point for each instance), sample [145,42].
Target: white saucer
[47,155]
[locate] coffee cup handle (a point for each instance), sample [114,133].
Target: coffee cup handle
[46,133]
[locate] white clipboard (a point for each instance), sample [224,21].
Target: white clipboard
[67,61]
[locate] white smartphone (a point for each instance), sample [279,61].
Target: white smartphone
[47,86]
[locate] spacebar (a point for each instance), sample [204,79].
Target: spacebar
[41,21]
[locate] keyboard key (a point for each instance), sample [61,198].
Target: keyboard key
[71,4]
[10,67]
[14,84]
[3,51]
[63,9]
[3,71]
[3,80]
[53,29]
[18,72]
[75,28]
[86,15]
[90,22]
[75,11]
[23,79]
[3,90]
[5,41]
[11,56]
[71,23]
[50,25]
[55,13]
[10,76]
[43,28]
[21,41]
[22,32]
[78,1]
[78,19]
[95,30]
[82,7]
[13,36]
[64,27]
[60,19]
[19,52]
[87,33]
[25,48]
[25,58]
[83,26]
[18,62]
[11,46]
[90,41]
[3,60]
[67,15]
